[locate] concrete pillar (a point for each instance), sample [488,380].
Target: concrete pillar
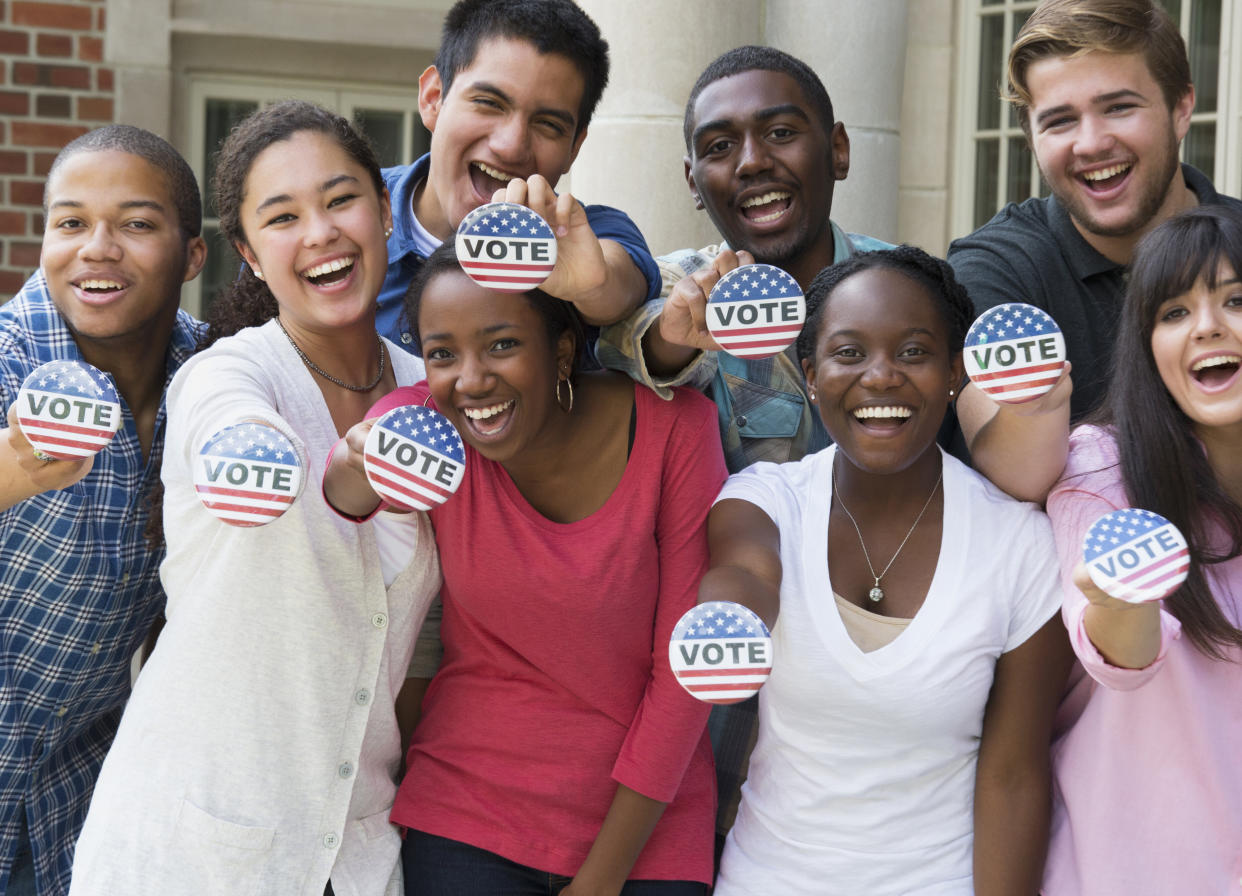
[632,158]
[138,43]
[858,49]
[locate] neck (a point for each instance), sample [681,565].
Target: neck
[138,366]
[349,353]
[1120,249]
[866,492]
[428,211]
[811,262]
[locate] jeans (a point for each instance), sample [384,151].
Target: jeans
[437,866]
[22,874]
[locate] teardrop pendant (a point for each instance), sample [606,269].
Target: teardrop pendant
[876,594]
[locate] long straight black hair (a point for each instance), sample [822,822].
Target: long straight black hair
[1163,466]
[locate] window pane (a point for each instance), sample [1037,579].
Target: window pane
[1203,46]
[1019,19]
[1173,7]
[991,57]
[219,117]
[1018,178]
[987,160]
[220,269]
[1199,147]
[385,128]
[421,142]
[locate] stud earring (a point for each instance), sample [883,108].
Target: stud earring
[387,232]
[257,273]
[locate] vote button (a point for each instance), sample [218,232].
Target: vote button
[1014,352]
[721,652]
[68,409]
[756,311]
[506,247]
[414,458]
[1136,555]
[248,474]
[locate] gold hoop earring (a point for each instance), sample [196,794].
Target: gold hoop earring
[559,400]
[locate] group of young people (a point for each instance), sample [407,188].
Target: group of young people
[355,699]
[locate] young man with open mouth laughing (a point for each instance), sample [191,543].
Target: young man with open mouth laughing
[508,101]
[1102,89]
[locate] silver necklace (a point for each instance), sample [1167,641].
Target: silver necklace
[329,377]
[876,594]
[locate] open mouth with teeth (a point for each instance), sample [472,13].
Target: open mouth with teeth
[1104,179]
[99,287]
[487,180]
[885,417]
[1216,371]
[489,421]
[766,208]
[330,271]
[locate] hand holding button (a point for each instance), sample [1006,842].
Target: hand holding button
[248,474]
[721,652]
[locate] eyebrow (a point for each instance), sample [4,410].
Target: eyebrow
[323,188]
[760,116]
[128,204]
[494,328]
[1102,99]
[857,334]
[550,111]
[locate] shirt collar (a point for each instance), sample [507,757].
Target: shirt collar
[401,193]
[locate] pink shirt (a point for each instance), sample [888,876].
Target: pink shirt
[555,684]
[1148,776]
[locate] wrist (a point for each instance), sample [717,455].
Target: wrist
[665,359]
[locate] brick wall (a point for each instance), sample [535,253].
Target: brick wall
[53,87]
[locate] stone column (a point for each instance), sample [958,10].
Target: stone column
[139,45]
[632,157]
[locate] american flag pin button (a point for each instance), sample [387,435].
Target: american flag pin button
[68,409]
[720,652]
[1014,352]
[1135,555]
[248,474]
[756,311]
[414,458]
[506,247]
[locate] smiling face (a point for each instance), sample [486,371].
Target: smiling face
[113,251]
[491,365]
[513,112]
[314,227]
[1106,141]
[764,169]
[882,370]
[1197,346]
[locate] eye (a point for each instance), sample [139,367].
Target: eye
[717,147]
[781,132]
[486,102]
[282,218]
[1117,108]
[914,351]
[506,344]
[552,126]
[1234,301]
[437,355]
[341,200]
[1168,315]
[139,225]
[70,224]
[845,353]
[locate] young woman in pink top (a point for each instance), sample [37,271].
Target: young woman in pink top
[1148,775]
[556,753]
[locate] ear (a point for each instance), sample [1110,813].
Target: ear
[386,209]
[566,349]
[195,256]
[808,373]
[247,255]
[840,152]
[694,190]
[1181,112]
[430,96]
[957,374]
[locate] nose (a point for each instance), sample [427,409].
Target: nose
[1094,137]
[1207,321]
[753,156]
[474,377]
[321,229]
[510,141]
[101,244]
[881,373]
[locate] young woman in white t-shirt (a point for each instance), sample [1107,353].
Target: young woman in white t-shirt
[903,743]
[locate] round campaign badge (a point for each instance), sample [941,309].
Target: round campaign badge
[1014,352]
[1135,555]
[68,410]
[414,458]
[721,652]
[755,311]
[506,247]
[248,474]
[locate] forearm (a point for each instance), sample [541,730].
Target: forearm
[346,488]
[630,820]
[1012,817]
[665,359]
[1127,636]
[622,289]
[1022,453]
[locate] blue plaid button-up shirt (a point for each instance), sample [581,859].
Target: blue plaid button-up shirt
[79,589]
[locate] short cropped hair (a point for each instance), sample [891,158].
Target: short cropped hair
[768,59]
[1074,27]
[154,149]
[553,26]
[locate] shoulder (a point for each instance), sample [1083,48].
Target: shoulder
[398,175]
[860,242]
[690,407]
[1092,451]
[252,348]
[1023,228]
[988,505]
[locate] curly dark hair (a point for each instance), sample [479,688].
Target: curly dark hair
[246,301]
[952,302]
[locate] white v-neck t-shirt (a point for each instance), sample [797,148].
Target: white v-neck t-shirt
[862,779]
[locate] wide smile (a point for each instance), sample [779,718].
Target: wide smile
[333,273]
[1216,373]
[882,420]
[486,179]
[768,209]
[487,423]
[97,290]
[1106,182]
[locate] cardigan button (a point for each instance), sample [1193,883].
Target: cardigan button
[331,840]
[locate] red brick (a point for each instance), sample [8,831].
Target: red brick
[90,49]
[24,255]
[77,76]
[103,79]
[54,45]
[29,73]
[100,19]
[14,102]
[51,15]
[11,282]
[26,192]
[53,105]
[13,223]
[16,43]
[36,223]
[44,134]
[12,162]
[43,163]
[95,108]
